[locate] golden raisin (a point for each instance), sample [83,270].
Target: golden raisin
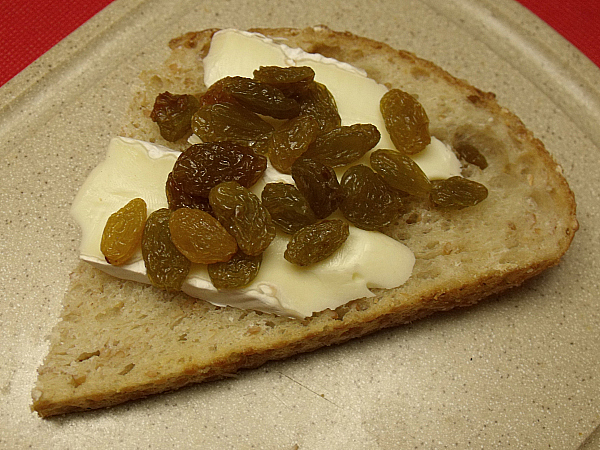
[406,121]
[201,237]
[123,232]
[287,206]
[317,101]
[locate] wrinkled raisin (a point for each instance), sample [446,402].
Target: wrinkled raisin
[457,193]
[287,206]
[216,93]
[400,172]
[344,145]
[123,232]
[318,102]
[318,183]
[178,198]
[242,214]
[238,272]
[369,203]
[289,80]
[470,154]
[203,166]
[201,237]
[262,98]
[173,114]
[166,267]
[406,121]
[229,121]
[316,242]
[289,142]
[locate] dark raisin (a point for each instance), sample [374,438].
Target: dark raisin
[316,242]
[203,166]
[457,193]
[289,80]
[369,203]
[216,93]
[289,142]
[166,267]
[318,183]
[236,273]
[344,145]
[262,98]
[318,102]
[173,114]
[229,121]
[400,172]
[178,198]
[470,154]
[242,214]
[287,206]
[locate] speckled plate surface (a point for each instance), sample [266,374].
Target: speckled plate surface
[516,371]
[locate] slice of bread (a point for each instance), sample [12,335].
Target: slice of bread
[119,340]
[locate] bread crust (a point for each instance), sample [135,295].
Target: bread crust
[531,208]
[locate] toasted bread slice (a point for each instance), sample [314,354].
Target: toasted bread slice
[119,340]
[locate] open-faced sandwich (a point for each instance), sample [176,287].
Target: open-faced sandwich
[280,190]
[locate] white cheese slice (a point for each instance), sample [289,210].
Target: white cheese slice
[139,169]
[235,54]
[131,169]
[438,161]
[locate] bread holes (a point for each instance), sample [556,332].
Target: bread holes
[110,312]
[431,274]
[177,321]
[330,51]
[78,380]
[253,330]
[128,368]
[343,310]
[87,355]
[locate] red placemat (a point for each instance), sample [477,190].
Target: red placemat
[576,20]
[29,28]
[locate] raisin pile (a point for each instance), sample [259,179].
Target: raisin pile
[214,219]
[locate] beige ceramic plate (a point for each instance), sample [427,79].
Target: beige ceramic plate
[518,371]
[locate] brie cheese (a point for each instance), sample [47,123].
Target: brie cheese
[367,259]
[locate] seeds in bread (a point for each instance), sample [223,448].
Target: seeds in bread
[119,340]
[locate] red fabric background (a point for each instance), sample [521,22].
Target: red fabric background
[28,28]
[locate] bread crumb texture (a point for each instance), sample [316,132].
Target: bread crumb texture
[119,340]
